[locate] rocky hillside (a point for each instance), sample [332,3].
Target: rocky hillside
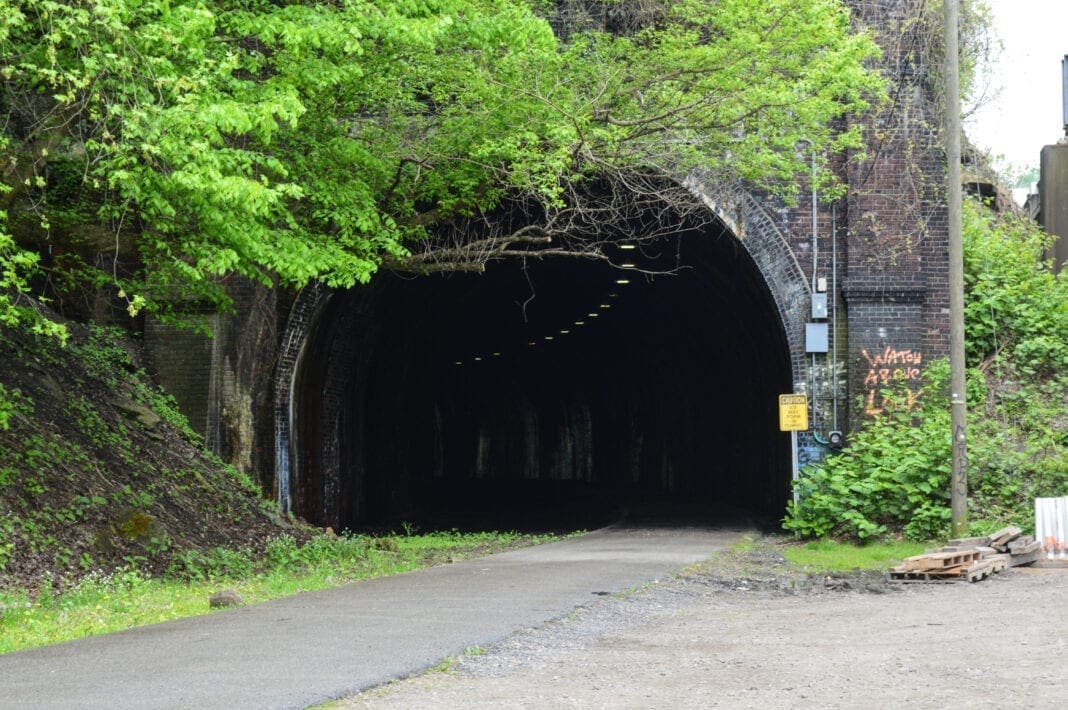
[98,470]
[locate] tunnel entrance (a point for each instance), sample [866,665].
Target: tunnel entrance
[547,394]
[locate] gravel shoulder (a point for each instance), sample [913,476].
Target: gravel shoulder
[750,633]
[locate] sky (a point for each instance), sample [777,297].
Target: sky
[1026,114]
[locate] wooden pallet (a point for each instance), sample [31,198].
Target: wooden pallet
[1001,561]
[983,550]
[1003,537]
[934,561]
[981,570]
[911,576]
[1023,545]
[969,559]
[967,542]
[1024,558]
[973,572]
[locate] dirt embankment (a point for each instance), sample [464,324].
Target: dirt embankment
[97,472]
[740,635]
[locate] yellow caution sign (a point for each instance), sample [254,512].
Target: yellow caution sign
[793,412]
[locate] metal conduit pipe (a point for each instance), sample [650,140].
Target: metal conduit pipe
[815,264]
[834,315]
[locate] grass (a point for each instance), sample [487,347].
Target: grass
[102,603]
[830,556]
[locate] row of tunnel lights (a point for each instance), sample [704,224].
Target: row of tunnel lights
[578,323]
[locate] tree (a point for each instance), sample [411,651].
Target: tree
[295,141]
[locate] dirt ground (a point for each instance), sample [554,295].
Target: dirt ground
[711,639]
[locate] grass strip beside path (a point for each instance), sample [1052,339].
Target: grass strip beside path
[830,556]
[102,603]
[757,562]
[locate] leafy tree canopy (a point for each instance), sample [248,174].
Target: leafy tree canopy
[303,141]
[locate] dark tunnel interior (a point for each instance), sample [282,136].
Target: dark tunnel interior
[548,395]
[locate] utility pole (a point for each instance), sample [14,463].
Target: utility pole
[958,388]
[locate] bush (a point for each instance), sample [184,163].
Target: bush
[217,563]
[1013,299]
[894,475]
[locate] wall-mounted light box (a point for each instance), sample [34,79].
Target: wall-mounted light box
[819,305]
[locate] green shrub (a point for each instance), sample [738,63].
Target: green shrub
[894,475]
[12,402]
[164,404]
[1013,299]
[7,408]
[217,563]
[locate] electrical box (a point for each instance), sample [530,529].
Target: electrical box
[816,338]
[819,305]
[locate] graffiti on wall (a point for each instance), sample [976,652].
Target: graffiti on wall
[809,451]
[889,366]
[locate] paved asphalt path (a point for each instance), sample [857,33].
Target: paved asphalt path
[319,646]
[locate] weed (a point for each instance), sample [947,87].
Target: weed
[158,544]
[103,354]
[91,424]
[217,563]
[386,544]
[13,402]
[166,407]
[7,543]
[446,665]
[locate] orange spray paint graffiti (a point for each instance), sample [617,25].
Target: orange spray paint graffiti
[891,365]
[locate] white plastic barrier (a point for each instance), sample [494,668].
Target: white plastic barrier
[1051,526]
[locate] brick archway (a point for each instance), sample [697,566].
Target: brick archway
[301,455]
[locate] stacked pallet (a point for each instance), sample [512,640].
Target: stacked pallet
[970,559]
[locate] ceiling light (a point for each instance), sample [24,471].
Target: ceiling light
[478,359]
[594,315]
[564,332]
[580,322]
[605,306]
[548,337]
[496,354]
[626,266]
[627,246]
[622,282]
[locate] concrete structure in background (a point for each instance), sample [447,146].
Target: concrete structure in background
[1053,196]
[1053,185]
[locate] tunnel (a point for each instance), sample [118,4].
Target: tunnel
[548,394]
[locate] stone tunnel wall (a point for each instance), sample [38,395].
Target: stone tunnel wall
[224,383]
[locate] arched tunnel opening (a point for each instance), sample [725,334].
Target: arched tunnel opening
[548,394]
